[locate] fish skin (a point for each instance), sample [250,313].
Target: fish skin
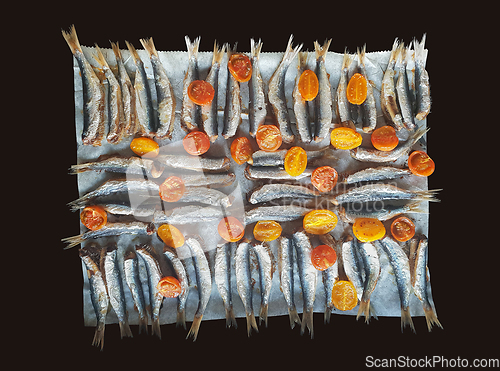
[211,180]
[300,107]
[232,109]
[93,93]
[189,214]
[420,278]
[91,257]
[203,282]
[374,155]
[388,95]
[403,90]
[274,173]
[285,269]
[342,104]
[422,86]
[308,278]
[115,164]
[324,101]
[151,260]
[265,262]
[115,287]
[368,107]
[276,213]
[182,277]
[257,105]
[190,111]
[371,174]
[222,275]
[164,92]
[111,229]
[146,119]
[385,213]
[209,115]
[124,208]
[351,264]
[206,196]
[368,255]
[196,163]
[330,275]
[379,192]
[272,191]
[401,268]
[243,283]
[128,92]
[277,158]
[276,92]
[131,271]
[116,114]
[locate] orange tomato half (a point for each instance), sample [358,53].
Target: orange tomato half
[368,229]
[201,92]
[240,67]
[356,89]
[295,161]
[241,150]
[421,164]
[94,217]
[345,138]
[170,235]
[323,257]
[196,143]
[402,229]
[145,147]
[308,85]
[268,138]
[231,229]
[267,230]
[324,178]
[344,296]
[172,189]
[319,221]
[169,287]
[384,138]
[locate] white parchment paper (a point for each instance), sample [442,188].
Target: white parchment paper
[385,298]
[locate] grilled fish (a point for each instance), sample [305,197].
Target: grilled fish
[232,110]
[114,286]
[403,91]
[368,107]
[352,265]
[273,191]
[189,214]
[209,112]
[276,213]
[128,92]
[372,174]
[388,98]
[285,269]
[151,260]
[196,163]
[93,93]
[265,277]
[274,173]
[115,164]
[323,102]
[351,212]
[330,276]
[257,105]
[116,115]
[207,196]
[420,278]
[146,119]
[164,92]
[401,268]
[368,255]
[131,270]
[222,274]
[244,284]
[308,278]
[180,272]
[277,158]
[276,92]
[203,282]
[343,105]
[190,111]
[422,85]
[91,257]
[300,106]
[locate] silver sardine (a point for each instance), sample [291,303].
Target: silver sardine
[209,116]
[190,111]
[115,288]
[182,277]
[368,255]
[274,173]
[115,164]
[206,196]
[273,191]
[265,262]
[372,174]
[308,278]
[343,105]
[93,94]
[222,274]
[276,92]
[422,85]
[403,91]
[352,265]
[277,158]
[146,119]
[131,270]
[164,92]
[196,163]
[368,107]
[388,98]
[189,214]
[351,212]
[91,257]
[203,282]
[232,109]
[401,269]
[276,213]
[300,106]
[330,275]
[257,105]
[285,269]
[244,283]
[323,102]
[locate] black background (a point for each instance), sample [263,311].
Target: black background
[48,312]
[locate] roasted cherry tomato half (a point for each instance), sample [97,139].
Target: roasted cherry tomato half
[356,89]
[295,161]
[169,287]
[421,164]
[368,229]
[240,67]
[196,143]
[267,230]
[402,229]
[319,221]
[345,138]
[324,178]
[170,235]
[308,85]
[94,217]
[201,92]
[172,189]
[145,147]
[231,229]
[241,150]
[384,138]
[323,257]
[344,296]
[268,138]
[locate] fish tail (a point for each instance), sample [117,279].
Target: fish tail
[195,327]
[406,319]
[321,50]
[372,312]
[72,40]
[143,324]
[116,49]
[364,308]
[255,48]
[149,46]
[230,317]
[218,54]
[124,329]
[431,318]
[263,314]
[251,323]
[428,195]
[290,52]
[328,314]
[79,168]
[346,61]
[155,328]
[294,316]
[394,50]
[181,319]
[77,204]
[73,241]
[414,207]
[307,321]
[192,47]
[361,55]
[99,336]
[133,52]
[100,57]
[420,48]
